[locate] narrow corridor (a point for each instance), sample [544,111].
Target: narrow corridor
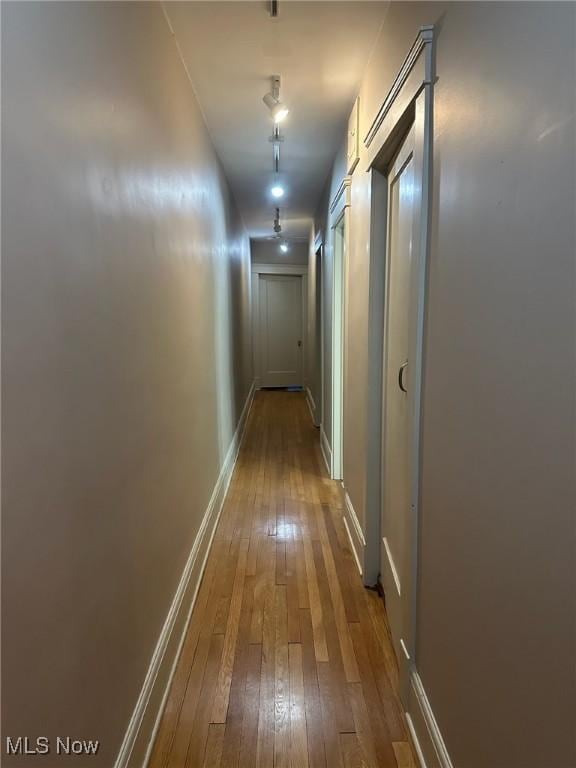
[287,659]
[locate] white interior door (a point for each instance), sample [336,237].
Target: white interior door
[396,516]
[280,332]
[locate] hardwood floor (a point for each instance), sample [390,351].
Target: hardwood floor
[287,661]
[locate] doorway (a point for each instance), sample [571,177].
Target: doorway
[280,331]
[278,297]
[395,556]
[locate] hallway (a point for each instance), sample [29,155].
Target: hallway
[287,659]
[288,313]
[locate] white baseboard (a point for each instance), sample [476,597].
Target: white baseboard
[311,406]
[428,741]
[326,450]
[354,530]
[391,566]
[140,734]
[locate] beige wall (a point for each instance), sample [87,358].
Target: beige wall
[126,358]
[268,252]
[496,644]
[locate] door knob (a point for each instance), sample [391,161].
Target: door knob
[401,376]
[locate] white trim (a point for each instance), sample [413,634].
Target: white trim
[437,756]
[311,405]
[342,199]
[352,547]
[339,302]
[355,522]
[279,269]
[326,450]
[391,565]
[355,532]
[404,649]
[424,37]
[139,736]
[376,289]
[415,742]
[339,213]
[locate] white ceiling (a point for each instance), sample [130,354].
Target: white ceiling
[319,49]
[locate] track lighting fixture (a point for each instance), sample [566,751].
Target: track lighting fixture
[284,247]
[277,191]
[272,101]
[277,227]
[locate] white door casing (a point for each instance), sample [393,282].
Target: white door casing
[339,211]
[408,103]
[396,516]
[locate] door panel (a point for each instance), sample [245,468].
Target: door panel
[396,518]
[280,335]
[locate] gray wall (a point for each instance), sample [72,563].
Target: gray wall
[126,358]
[268,252]
[496,638]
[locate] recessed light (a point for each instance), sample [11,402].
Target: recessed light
[277,191]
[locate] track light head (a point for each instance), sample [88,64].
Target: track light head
[272,100]
[279,111]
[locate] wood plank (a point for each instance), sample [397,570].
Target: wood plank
[314,726]
[280,562]
[303,599]
[265,739]
[214,745]
[351,751]
[225,676]
[363,725]
[347,596]
[329,727]
[222,611]
[282,682]
[292,597]
[320,647]
[346,647]
[403,752]
[251,706]
[199,732]
[298,733]
[336,677]
[378,726]
[235,713]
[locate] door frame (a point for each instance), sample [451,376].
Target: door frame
[409,101]
[296,270]
[316,302]
[339,216]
